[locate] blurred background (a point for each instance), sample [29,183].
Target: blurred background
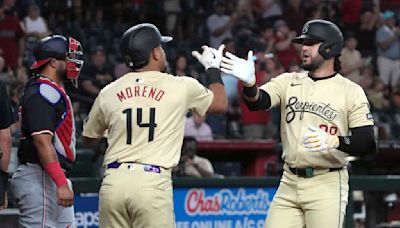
[240,145]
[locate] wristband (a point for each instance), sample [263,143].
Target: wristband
[213,76]
[56,174]
[250,91]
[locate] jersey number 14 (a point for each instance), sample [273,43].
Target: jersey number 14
[151,125]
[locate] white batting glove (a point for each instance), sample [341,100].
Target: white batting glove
[319,140]
[240,68]
[210,56]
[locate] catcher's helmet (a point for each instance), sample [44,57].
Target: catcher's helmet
[326,32]
[62,48]
[138,41]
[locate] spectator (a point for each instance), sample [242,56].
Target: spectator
[11,39]
[7,76]
[351,59]
[387,37]
[314,9]
[197,128]
[219,25]
[274,67]
[35,28]
[21,74]
[268,37]
[376,95]
[293,14]
[350,14]
[172,10]
[16,90]
[244,20]
[96,74]
[325,10]
[120,70]
[366,31]
[285,49]
[97,29]
[270,10]
[367,77]
[180,67]
[191,164]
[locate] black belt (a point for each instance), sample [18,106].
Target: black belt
[308,172]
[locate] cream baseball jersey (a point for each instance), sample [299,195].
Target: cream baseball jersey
[334,104]
[144,115]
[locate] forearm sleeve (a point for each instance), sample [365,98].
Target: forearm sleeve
[360,143]
[262,103]
[213,76]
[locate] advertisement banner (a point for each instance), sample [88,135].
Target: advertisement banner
[226,207]
[199,208]
[86,210]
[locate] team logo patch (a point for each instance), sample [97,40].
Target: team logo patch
[347,140]
[139,80]
[152,168]
[295,84]
[305,29]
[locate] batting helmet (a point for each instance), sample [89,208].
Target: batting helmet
[62,48]
[326,32]
[138,41]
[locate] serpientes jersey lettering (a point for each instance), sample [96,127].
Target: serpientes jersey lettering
[145,113]
[46,109]
[333,104]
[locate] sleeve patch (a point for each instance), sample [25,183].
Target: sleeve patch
[49,93]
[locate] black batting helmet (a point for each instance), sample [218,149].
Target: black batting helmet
[138,41]
[326,32]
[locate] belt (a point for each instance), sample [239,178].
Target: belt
[309,172]
[146,168]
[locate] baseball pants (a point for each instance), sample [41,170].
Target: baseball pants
[315,202]
[132,197]
[36,196]
[389,71]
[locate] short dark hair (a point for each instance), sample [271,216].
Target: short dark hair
[187,139]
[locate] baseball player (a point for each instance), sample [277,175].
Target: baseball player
[324,118]
[47,148]
[6,119]
[144,113]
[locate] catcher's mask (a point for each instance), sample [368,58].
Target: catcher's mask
[62,48]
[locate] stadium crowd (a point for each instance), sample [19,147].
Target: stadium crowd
[369,58]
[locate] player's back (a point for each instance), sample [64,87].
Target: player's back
[145,115]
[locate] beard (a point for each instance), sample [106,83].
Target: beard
[315,63]
[62,73]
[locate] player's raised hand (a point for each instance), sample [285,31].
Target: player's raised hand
[319,140]
[240,68]
[210,57]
